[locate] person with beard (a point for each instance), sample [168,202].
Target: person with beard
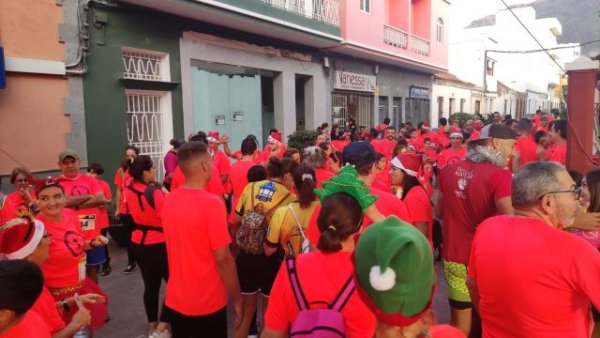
[548,276]
[470,191]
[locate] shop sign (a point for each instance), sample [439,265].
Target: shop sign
[353,81]
[419,93]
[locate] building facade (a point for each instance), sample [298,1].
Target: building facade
[452,95]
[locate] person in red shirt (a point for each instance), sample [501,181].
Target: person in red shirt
[323,274]
[220,159]
[84,196]
[7,210]
[380,128]
[238,173]
[64,271]
[145,200]
[470,191]
[405,170]
[23,198]
[294,154]
[201,267]
[315,157]
[526,149]
[549,276]
[470,129]
[557,134]
[275,147]
[414,141]
[122,180]
[383,180]
[402,305]
[21,283]
[455,153]
[339,145]
[96,170]
[24,238]
[427,133]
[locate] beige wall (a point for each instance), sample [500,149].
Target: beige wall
[32,122]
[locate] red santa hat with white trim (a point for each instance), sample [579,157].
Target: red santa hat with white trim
[19,237]
[274,137]
[213,136]
[410,163]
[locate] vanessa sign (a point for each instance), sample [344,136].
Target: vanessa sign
[353,81]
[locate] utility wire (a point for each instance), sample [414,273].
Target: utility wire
[542,50]
[532,36]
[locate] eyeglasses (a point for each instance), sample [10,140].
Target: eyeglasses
[576,192]
[22,180]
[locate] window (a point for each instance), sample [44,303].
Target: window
[439,30]
[451,106]
[462,105]
[440,106]
[477,106]
[365,5]
[489,67]
[145,65]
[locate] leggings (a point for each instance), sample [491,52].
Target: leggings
[212,325]
[128,224]
[152,260]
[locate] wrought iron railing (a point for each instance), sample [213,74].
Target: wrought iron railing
[326,11]
[394,37]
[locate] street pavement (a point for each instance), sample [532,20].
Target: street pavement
[126,308]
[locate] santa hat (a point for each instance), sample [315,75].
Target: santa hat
[20,237]
[213,136]
[394,270]
[455,129]
[410,163]
[457,134]
[274,137]
[426,125]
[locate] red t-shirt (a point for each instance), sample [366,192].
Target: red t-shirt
[339,145]
[559,154]
[66,265]
[323,175]
[45,306]
[214,184]
[148,216]
[322,276]
[7,210]
[122,179]
[431,136]
[475,135]
[30,326]
[415,143]
[266,154]
[193,233]
[221,162]
[449,156]
[527,149]
[88,217]
[386,147]
[533,280]
[445,331]
[238,175]
[470,191]
[102,221]
[420,209]
[386,203]
[20,205]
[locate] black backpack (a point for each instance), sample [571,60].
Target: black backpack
[148,193]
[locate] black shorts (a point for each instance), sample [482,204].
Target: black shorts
[257,272]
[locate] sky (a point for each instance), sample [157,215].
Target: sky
[462,12]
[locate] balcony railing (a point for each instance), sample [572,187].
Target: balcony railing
[326,11]
[419,45]
[394,37]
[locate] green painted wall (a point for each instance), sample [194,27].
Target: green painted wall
[258,6]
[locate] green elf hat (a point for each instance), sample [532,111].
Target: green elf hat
[347,181]
[394,271]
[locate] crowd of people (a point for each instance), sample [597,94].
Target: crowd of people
[336,239]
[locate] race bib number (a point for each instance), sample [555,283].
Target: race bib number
[81,267]
[88,222]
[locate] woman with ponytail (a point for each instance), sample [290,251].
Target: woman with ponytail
[288,224]
[323,274]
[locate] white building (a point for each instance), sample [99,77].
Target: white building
[474,57]
[450,95]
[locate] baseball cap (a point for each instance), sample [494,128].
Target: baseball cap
[359,152]
[500,131]
[67,153]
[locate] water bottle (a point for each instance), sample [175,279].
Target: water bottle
[84,332]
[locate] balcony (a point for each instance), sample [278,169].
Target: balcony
[419,45]
[394,37]
[326,11]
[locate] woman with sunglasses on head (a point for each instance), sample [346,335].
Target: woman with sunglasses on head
[326,273]
[145,200]
[23,198]
[24,238]
[64,270]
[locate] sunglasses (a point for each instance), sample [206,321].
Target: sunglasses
[576,193]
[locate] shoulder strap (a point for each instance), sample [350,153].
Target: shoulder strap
[344,295]
[139,195]
[295,284]
[297,221]
[149,194]
[252,196]
[272,210]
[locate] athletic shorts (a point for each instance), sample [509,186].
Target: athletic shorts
[257,272]
[95,256]
[456,278]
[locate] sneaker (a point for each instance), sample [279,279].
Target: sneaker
[129,269]
[158,334]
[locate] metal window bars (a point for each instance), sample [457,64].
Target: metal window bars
[326,11]
[142,65]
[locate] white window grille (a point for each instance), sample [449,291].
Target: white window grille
[149,124]
[141,64]
[439,30]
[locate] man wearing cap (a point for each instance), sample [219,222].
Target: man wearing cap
[395,278]
[84,195]
[455,153]
[529,277]
[469,191]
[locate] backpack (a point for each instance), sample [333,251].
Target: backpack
[305,247]
[251,234]
[148,193]
[318,323]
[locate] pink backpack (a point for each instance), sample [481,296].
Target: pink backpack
[321,323]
